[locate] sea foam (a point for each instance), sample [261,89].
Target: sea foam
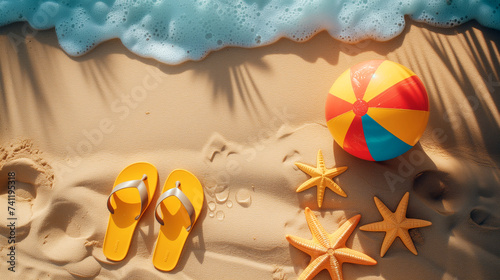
[173,31]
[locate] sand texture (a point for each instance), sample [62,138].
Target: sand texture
[239,120]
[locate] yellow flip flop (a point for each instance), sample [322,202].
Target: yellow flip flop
[132,192]
[180,205]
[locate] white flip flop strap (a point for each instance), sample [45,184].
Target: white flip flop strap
[182,198]
[136,184]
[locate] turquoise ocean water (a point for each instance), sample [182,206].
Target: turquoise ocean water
[173,31]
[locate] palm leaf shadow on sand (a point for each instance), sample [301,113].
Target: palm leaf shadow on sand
[231,77]
[469,116]
[35,64]
[232,80]
[22,63]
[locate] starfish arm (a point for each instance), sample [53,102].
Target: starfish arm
[320,161]
[314,267]
[318,232]
[309,170]
[352,256]
[377,226]
[340,236]
[406,238]
[389,238]
[328,251]
[384,211]
[333,172]
[414,223]
[320,193]
[307,246]
[334,187]
[400,213]
[308,184]
[335,269]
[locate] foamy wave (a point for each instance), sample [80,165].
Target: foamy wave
[175,31]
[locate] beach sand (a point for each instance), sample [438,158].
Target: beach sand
[239,120]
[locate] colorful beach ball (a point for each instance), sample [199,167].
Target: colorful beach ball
[377,110]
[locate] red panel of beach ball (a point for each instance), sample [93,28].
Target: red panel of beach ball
[377,110]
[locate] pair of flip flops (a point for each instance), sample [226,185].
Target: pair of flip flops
[177,209]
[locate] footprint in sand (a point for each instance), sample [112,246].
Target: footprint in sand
[469,205]
[484,219]
[244,197]
[291,158]
[33,183]
[447,197]
[225,159]
[65,231]
[439,191]
[49,224]
[218,200]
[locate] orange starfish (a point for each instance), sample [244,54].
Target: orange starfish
[328,251]
[321,177]
[395,225]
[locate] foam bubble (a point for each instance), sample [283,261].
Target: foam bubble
[173,32]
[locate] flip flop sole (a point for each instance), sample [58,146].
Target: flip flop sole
[173,234]
[127,205]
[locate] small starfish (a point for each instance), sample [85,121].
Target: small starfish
[328,251]
[321,177]
[395,225]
